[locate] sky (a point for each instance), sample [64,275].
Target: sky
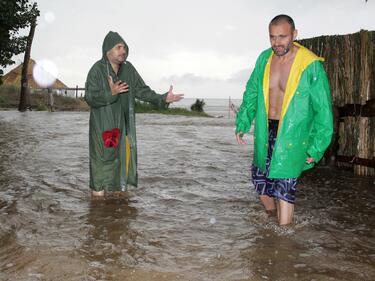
[204,48]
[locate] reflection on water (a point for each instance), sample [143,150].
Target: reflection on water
[110,241]
[193,216]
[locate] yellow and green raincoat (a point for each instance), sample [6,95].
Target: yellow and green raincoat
[306,124]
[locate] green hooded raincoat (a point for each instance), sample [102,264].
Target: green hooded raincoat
[305,126]
[112,168]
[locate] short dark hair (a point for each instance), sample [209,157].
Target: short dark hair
[283,18]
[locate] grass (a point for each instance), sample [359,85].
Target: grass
[142,107]
[39,101]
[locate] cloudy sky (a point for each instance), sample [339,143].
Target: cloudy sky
[205,48]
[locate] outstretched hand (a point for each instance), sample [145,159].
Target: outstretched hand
[172,97]
[310,160]
[239,138]
[117,87]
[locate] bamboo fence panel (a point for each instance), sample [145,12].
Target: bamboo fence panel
[350,66]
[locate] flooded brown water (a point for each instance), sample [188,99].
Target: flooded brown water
[193,217]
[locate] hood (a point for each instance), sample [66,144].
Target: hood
[110,40]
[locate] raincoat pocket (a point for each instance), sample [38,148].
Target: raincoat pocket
[301,101]
[110,144]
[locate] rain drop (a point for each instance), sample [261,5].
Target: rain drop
[45,73]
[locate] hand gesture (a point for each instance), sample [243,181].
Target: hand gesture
[172,97]
[310,160]
[118,87]
[239,138]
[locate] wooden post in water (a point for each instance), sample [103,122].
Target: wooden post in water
[229,108]
[50,101]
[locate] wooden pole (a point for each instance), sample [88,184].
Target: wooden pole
[229,108]
[51,101]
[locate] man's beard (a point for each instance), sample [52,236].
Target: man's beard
[120,59]
[281,50]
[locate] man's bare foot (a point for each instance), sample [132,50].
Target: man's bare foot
[120,194]
[271,213]
[97,194]
[287,225]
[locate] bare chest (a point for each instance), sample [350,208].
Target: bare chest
[279,74]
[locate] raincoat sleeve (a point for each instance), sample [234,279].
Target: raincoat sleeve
[322,128]
[247,110]
[97,93]
[144,93]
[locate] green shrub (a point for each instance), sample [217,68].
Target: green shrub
[145,107]
[198,105]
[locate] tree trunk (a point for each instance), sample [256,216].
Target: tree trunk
[25,95]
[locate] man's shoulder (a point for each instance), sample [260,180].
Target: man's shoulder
[306,55]
[128,65]
[128,69]
[306,60]
[96,66]
[265,54]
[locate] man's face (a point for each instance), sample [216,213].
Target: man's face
[281,37]
[117,54]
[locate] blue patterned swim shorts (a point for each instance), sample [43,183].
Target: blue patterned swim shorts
[283,189]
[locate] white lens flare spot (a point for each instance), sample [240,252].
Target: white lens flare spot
[212,220]
[49,17]
[45,73]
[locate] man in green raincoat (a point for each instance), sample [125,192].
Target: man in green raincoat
[288,96]
[112,86]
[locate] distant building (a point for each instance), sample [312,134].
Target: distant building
[14,76]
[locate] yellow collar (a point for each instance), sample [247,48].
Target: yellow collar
[303,59]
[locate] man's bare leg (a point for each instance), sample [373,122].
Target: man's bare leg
[97,194]
[285,212]
[269,204]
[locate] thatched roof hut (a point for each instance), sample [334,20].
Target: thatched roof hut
[14,76]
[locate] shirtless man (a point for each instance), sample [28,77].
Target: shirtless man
[288,95]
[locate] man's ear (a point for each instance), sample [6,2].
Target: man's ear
[295,34]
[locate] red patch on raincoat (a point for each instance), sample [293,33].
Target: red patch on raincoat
[111,138]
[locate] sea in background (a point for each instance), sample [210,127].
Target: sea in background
[214,107]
